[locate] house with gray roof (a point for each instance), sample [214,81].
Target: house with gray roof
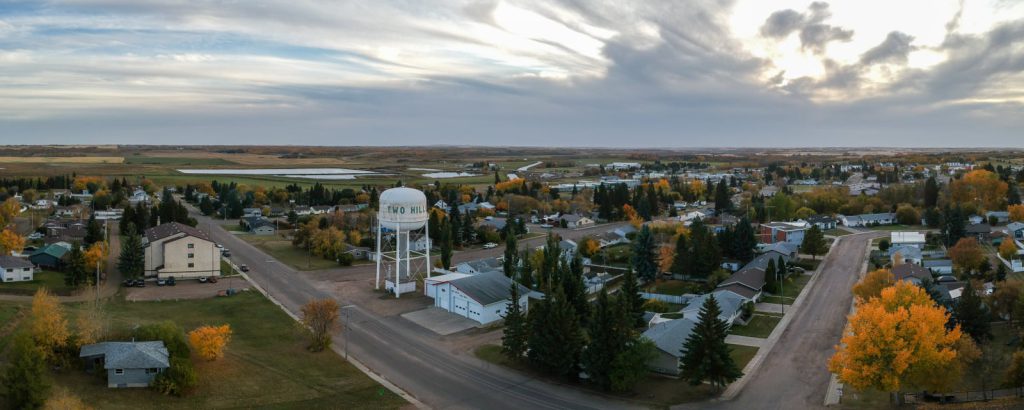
[747,283]
[911,273]
[1015,230]
[128,364]
[482,297]
[668,337]
[1000,216]
[14,269]
[731,304]
[888,218]
[905,254]
[939,266]
[479,266]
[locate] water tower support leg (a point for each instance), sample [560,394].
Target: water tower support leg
[376,285]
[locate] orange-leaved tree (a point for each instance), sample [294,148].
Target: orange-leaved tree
[1016,213]
[96,254]
[209,341]
[1007,249]
[981,187]
[872,284]
[321,317]
[896,340]
[49,327]
[966,254]
[10,241]
[8,210]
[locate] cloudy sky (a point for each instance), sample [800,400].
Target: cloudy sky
[508,72]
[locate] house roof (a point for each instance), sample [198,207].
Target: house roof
[739,289]
[56,250]
[907,251]
[906,237]
[129,355]
[872,217]
[816,219]
[908,271]
[752,278]
[14,262]
[785,248]
[729,302]
[761,262]
[979,228]
[173,228]
[937,263]
[669,336]
[488,287]
[484,265]
[1014,226]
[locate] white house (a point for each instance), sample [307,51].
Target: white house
[790,232]
[573,221]
[622,166]
[479,266]
[868,219]
[430,284]
[688,217]
[915,239]
[483,297]
[139,196]
[181,251]
[14,269]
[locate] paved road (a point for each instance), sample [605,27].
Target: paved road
[407,355]
[794,375]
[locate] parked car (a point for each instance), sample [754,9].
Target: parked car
[139,283]
[202,279]
[226,253]
[170,281]
[243,268]
[218,245]
[212,279]
[547,226]
[35,235]
[161,282]
[490,245]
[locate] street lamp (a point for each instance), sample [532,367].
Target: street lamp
[344,327]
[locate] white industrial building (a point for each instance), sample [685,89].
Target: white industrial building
[482,297]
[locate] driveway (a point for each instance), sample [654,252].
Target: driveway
[794,374]
[440,321]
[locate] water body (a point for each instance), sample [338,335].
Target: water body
[442,175]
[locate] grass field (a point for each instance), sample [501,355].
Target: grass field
[10,320]
[759,326]
[674,287]
[175,161]
[67,160]
[282,250]
[266,364]
[49,279]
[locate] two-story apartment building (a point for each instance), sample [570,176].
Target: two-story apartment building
[181,251]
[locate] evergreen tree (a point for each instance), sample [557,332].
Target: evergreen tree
[556,339]
[629,294]
[679,262]
[513,341]
[608,332]
[931,193]
[644,258]
[706,256]
[25,378]
[722,202]
[744,241]
[575,290]
[206,206]
[132,261]
[814,242]
[933,217]
[434,226]
[497,179]
[705,353]
[526,270]
[511,260]
[455,225]
[1013,195]
[972,315]
[93,231]
[446,245]
[552,256]
[955,225]
[771,279]
[76,274]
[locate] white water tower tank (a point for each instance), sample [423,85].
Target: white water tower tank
[404,208]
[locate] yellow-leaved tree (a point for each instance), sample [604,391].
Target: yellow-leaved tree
[8,210]
[1007,249]
[97,253]
[1016,213]
[896,340]
[49,328]
[10,241]
[872,284]
[209,341]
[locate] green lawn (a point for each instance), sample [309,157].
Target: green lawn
[741,355]
[9,313]
[674,287]
[791,289]
[54,281]
[266,364]
[282,250]
[759,326]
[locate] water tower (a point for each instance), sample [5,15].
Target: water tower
[403,244]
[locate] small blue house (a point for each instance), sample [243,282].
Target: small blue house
[128,364]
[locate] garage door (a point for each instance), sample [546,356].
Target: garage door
[460,306]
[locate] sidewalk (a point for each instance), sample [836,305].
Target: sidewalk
[745,340]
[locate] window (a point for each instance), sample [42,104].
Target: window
[151,370]
[191,246]
[118,371]
[191,265]
[26,269]
[191,255]
[10,270]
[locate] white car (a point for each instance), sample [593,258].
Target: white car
[35,235]
[490,245]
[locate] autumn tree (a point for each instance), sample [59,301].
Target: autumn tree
[321,317]
[981,187]
[49,327]
[11,242]
[906,214]
[9,209]
[1008,249]
[90,324]
[96,255]
[895,340]
[1015,372]
[872,284]
[1016,213]
[25,377]
[967,255]
[209,341]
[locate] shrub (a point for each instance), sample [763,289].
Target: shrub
[177,380]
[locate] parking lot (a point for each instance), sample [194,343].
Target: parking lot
[184,289]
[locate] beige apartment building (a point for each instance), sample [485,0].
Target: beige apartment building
[181,251]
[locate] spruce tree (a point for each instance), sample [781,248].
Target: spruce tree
[606,339]
[446,245]
[526,270]
[511,260]
[814,242]
[76,274]
[93,231]
[574,288]
[722,202]
[629,292]
[25,378]
[744,241]
[682,253]
[644,258]
[556,339]
[705,353]
[972,315]
[132,261]
[931,193]
[513,341]
[771,280]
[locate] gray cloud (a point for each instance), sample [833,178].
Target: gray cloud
[781,23]
[814,33]
[815,37]
[894,49]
